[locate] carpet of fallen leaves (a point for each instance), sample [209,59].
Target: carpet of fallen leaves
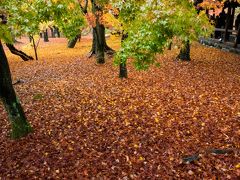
[90,124]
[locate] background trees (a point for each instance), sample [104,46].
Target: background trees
[147,27]
[25,17]
[152,25]
[20,126]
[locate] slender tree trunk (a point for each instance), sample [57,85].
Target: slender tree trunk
[45,36]
[72,42]
[123,65]
[52,32]
[170,46]
[19,123]
[23,55]
[123,70]
[35,48]
[185,52]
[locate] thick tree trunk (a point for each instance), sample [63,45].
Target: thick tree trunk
[220,23]
[20,126]
[99,44]
[23,55]
[98,35]
[123,65]
[228,25]
[107,49]
[72,42]
[185,52]
[45,36]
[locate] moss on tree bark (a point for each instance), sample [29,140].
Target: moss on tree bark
[16,115]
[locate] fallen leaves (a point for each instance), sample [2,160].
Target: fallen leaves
[88,123]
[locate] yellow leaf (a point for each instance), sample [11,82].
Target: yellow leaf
[135,145]
[238,165]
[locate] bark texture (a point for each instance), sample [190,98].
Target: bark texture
[123,65]
[45,36]
[184,54]
[18,120]
[72,42]
[107,49]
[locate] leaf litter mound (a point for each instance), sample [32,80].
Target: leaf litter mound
[169,121]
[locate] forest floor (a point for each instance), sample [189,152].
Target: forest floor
[90,124]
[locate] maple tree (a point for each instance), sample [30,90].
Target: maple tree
[20,126]
[151,26]
[32,17]
[178,121]
[95,17]
[25,17]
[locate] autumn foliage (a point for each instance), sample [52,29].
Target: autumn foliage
[90,124]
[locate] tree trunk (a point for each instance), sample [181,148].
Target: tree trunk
[170,46]
[23,55]
[228,25]
[45,36]
[99,39]
[185,52]
[107,49]
[52,32]
[93,50]
[123,70]
[35,48]
[19,123]
[99,44]
[56,31]
[123,65]
[72,42]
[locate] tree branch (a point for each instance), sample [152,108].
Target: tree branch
[84,9]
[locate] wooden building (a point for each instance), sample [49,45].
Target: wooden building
[226,21]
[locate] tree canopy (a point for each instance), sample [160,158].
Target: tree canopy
[30,16]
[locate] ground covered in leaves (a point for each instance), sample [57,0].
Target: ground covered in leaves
[90,124]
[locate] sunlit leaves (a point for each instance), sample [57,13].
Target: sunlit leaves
[152,24]
[30,17]
[90,123]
